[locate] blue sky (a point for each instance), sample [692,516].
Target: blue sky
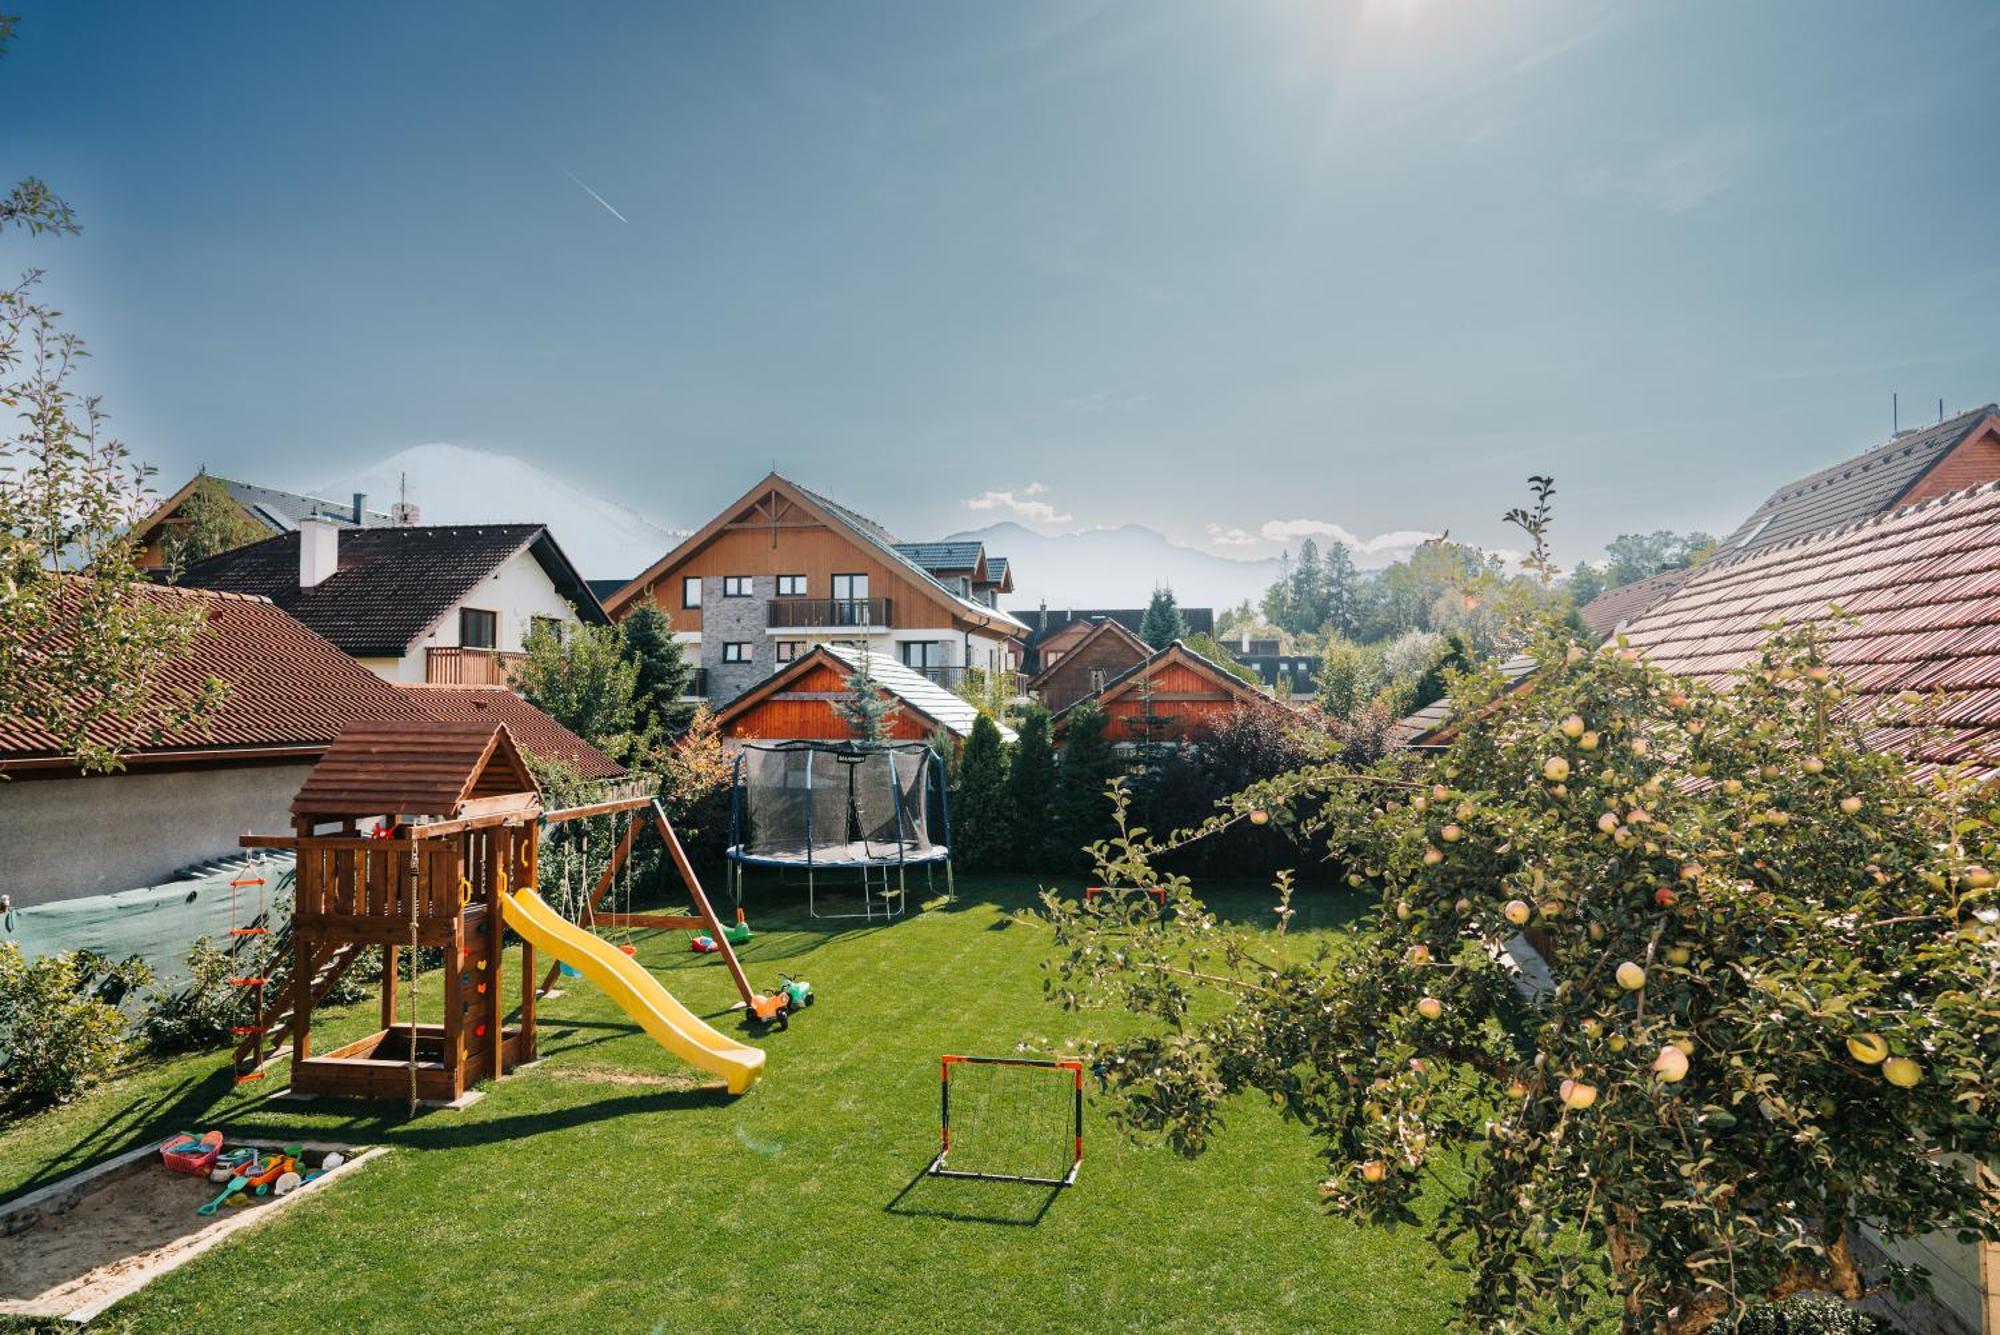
[1228,269]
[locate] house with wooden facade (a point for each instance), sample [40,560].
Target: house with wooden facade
[1052,633]
[802,701]
[783,570]
[1087,662]
[444,604]
[1174,695]
[266,511]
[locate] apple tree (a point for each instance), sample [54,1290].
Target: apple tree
[1771,1012]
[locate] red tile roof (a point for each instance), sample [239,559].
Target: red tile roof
[1628,602]
[289,690]
[1924,585]
[535,732]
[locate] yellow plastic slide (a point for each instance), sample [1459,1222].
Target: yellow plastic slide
[639,994]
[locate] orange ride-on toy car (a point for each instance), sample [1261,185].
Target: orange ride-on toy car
[778,1006]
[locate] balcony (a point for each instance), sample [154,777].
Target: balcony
[469,667]
[830,614]
[1012,685]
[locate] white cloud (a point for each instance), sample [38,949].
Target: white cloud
[1378,550]
[1676,178]
[1020,504]
[1231,537]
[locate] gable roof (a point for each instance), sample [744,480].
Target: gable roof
[279,511]
[419,768]
[917,693]
[392,584]
[1922,582]
[941,556]
[290,692]
[535,732]
[1046,621]
[1854,489]
[1604,614]
[1000,573]
[1432,726]
[1177,652]
[1103,629]
[835,515]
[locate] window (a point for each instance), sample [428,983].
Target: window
[736,586]
[922,654]
[788,650]
[791,586]
[478,629]
[736,651]
[546,625]
[691,591]
[850,597]
[1096,680]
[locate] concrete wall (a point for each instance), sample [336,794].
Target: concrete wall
[68,837]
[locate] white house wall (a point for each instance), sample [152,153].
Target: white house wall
[517,592]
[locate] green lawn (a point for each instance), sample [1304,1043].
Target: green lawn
[607,1190]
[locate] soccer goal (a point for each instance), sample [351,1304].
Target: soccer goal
[1011,1119]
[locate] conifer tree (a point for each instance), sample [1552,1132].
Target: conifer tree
[867,709]
[1083,810]
[982,828]
[664,672]
[1163,623]
[1032,792]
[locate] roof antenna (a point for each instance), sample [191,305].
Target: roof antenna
[1940,410]
[1895,417]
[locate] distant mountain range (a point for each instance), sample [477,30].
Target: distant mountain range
[1118,567]
[454,484]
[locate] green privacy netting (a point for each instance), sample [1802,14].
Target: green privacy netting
[158,923]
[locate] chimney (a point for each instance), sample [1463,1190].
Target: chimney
[319,551]
[360,497]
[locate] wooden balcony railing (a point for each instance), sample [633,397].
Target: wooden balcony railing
[469,667]
[829,613]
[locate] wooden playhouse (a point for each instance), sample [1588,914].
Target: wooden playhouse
[405,834]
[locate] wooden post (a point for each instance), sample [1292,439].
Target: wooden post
[388,986]
[701,904]
[302,988]
[502,850]
[531,876]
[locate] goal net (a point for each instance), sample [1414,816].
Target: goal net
[1011,1119]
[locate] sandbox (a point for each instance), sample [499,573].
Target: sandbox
[77,1246]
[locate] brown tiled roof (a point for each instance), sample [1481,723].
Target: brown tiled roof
[392,583]
[1615,607]
[1854,489]
[415,768]
[538,734]
[289,689]
[1924,585]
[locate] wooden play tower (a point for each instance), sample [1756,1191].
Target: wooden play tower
[405,834]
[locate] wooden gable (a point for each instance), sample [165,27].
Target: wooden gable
[1105,651]
[1174,696]
[802,703]
[776,528]
[445,771]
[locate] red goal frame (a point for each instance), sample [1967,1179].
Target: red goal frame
[941,1166]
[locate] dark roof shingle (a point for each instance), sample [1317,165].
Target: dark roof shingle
[392,583]
[1854,489]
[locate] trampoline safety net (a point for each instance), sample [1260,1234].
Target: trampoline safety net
[837,804]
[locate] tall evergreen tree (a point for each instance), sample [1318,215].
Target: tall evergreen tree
[1163,622]
[664,672]
[1083,810]
[1308,590]
[1340,597]
[1277,601]
[982,828]
[1032,792]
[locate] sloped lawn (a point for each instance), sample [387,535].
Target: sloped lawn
[607,1190]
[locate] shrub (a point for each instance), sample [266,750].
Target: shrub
[60,1027]
[201,1014]
[1809,1314]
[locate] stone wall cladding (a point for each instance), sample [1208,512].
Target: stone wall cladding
[735,619]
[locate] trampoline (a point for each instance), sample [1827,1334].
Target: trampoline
[833,808]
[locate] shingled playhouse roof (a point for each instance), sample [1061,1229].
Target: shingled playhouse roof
[1858,488]
[418,768]
[290,692]
[392,584]
[1924,586]
[536,733]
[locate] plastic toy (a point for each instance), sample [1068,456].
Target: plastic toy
[230,1188]
[189,1153]
[231,1163]
[702,944]
[738,933]
[791,995]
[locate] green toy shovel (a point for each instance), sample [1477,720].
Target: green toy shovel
[236,1184]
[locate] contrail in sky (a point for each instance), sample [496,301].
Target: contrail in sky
[599,198]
